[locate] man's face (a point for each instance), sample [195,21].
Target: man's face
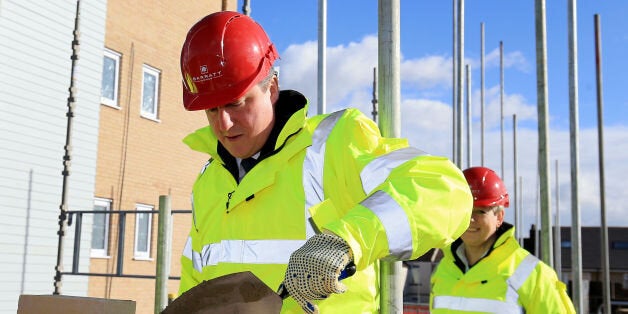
[244,125]
[484,223]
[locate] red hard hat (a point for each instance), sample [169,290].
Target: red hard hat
[224,54]
[486,187]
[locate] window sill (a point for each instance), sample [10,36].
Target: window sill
[147,259]
[111,105]
[150,118]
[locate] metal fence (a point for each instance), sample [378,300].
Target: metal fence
[164,244]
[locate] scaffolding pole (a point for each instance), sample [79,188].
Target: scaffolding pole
[574,137]
[391,283]
[322,55]
[67,157]
[543,133]
[606,282]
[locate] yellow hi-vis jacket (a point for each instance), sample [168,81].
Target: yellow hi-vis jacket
[332,171]
[508,280]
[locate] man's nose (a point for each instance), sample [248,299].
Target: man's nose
[224,120]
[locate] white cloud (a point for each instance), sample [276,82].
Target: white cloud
[513,104]
[426,122]
[427,72]
[514,59]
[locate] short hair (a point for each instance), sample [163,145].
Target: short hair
[498,208]
[265,82]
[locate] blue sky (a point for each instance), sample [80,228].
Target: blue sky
[426,52]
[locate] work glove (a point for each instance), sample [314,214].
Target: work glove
[315,270]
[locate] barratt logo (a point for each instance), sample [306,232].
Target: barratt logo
[206,75]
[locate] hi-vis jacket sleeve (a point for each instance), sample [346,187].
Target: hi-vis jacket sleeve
[189,276]
[393,201]
[543,292]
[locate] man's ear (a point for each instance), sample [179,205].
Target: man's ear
[500,217]
[274,89]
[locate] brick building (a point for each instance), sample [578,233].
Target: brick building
[140,152]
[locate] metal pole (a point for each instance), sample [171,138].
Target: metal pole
[374,99]
[521,207]
[77,241]
[537,221]
[543,118]
[322,56]
[121,233]
[391,283]
[164,238]
[482,92]
[454,107]
[246,7]
[557,236]
[518,232]
[576,253]
[501,105]
[469,146]
[460,83]
[67,157]
[606,282]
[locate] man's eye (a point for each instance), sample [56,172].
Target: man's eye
[235,105]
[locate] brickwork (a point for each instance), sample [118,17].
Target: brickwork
[140,159]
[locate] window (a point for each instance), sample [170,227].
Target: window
[110,78]
[619,245]
[150,92]
[142,232]
[100,228]
[565,244]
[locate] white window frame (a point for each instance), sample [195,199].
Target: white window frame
[108,53]
[138,254]
[153,113]
[102,253]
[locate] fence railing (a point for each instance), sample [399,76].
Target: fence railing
[164,244]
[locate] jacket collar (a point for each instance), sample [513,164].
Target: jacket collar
[502,233]
[290,114]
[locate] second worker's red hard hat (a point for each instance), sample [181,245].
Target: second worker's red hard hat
[223,56]
[486,187]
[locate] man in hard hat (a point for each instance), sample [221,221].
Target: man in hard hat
[485,270]
[293,199]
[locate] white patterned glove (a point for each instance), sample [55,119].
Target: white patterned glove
[315,270]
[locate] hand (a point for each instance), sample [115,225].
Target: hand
[315,270]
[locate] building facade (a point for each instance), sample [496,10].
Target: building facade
[140,150]
[91,118]
[36,135]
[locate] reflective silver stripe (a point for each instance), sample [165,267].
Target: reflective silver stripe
[523,271]
[242,252]
[273,251]
[395,221]
[519,277]
[515,281]
[379,168]
[314,163]
[193,211]
[206,165]
[475,305]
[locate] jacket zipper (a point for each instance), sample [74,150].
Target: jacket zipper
[229,200]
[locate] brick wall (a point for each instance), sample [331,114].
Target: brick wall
[140,159]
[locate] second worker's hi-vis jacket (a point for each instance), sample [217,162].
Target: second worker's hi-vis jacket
[507,280]
[333,171]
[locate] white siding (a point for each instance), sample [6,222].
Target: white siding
[35,74]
